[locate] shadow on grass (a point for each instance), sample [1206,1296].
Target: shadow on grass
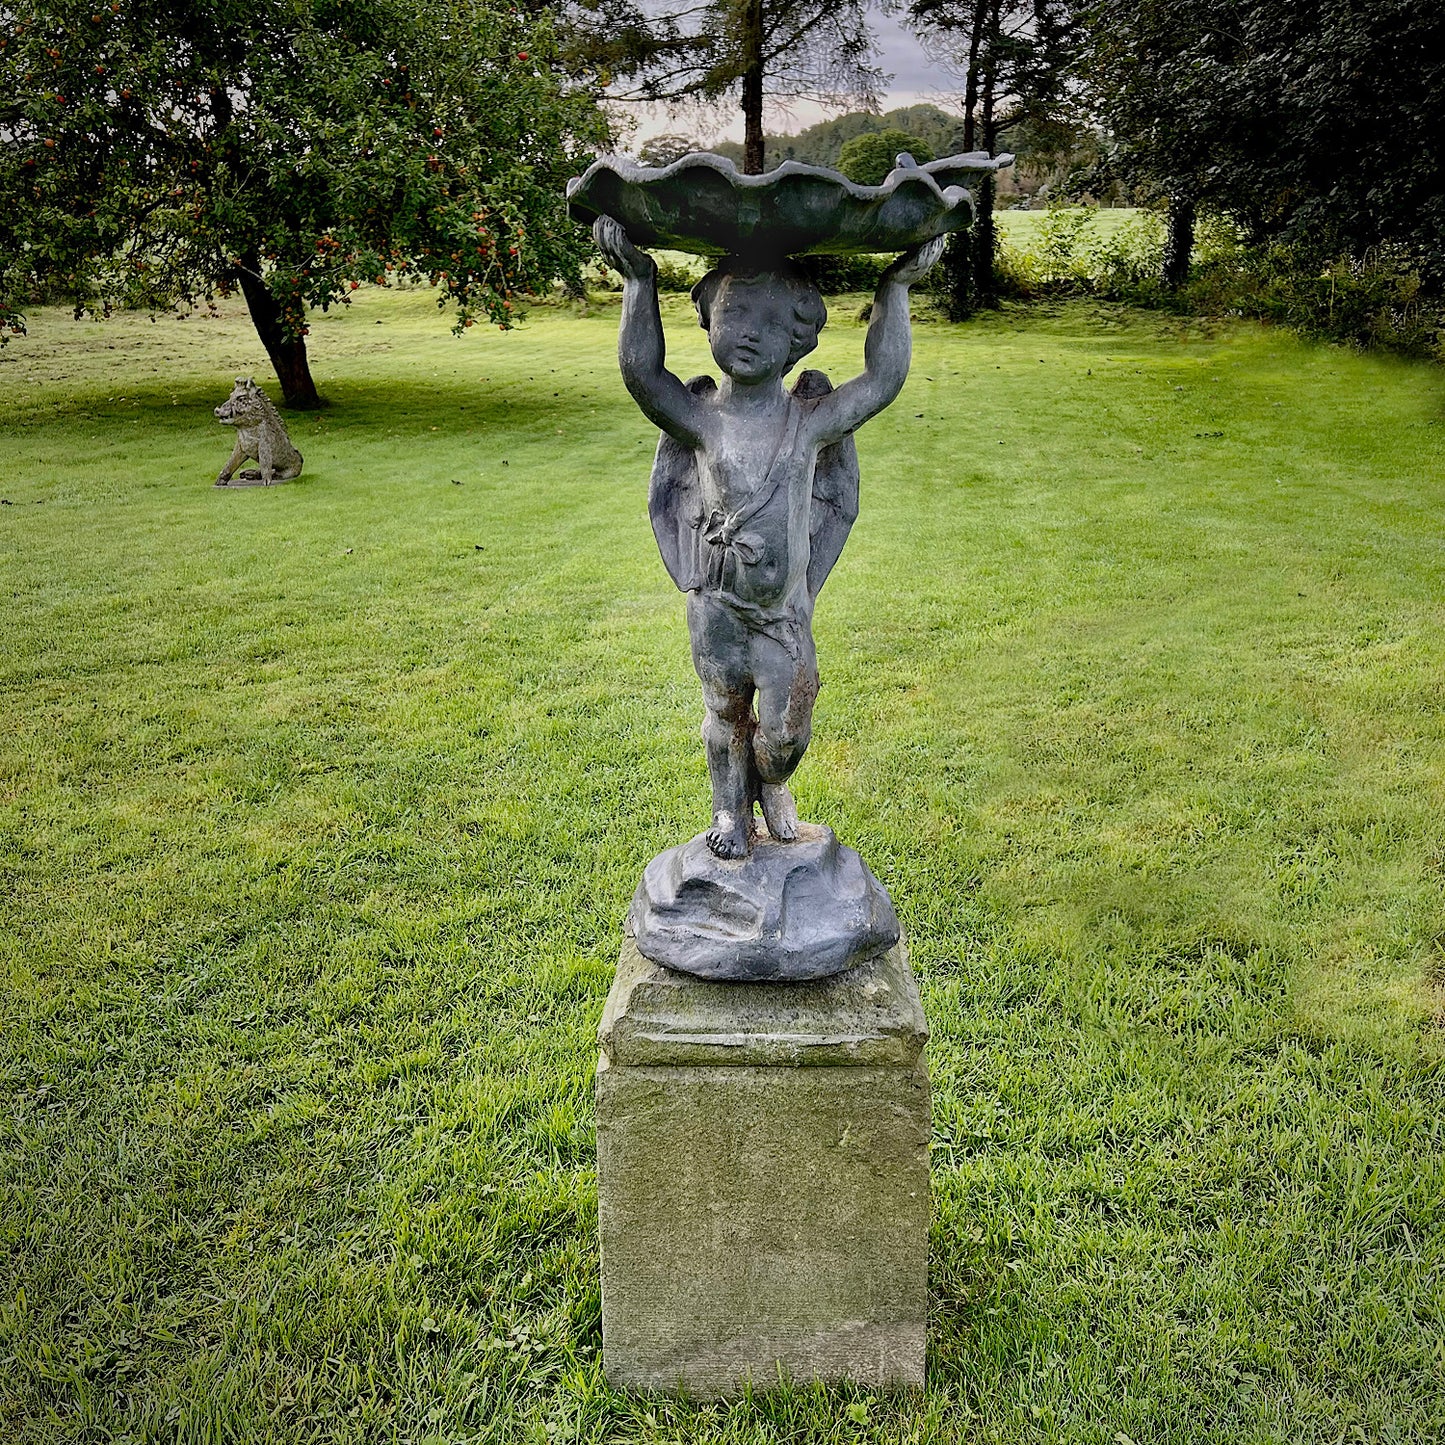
[362,407]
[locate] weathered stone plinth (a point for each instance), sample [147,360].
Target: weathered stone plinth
[762,1155]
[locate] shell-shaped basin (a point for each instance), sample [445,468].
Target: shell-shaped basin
[704,204]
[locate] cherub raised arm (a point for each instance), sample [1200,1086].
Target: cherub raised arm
[753,492]
[887,351]
[641,348]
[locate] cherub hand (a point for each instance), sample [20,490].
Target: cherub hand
[914,265]
[613,242]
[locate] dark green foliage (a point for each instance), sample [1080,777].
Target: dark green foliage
[677,275]
[1316,123]
[675,272]
[967,277]
[662,150]
[153,152]
[833,275]
[983,245]
[1377,300]
[951,282]
[867,159]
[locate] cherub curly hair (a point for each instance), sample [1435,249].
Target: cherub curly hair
[809,313]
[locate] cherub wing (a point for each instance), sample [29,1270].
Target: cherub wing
[674,502]
[835,491]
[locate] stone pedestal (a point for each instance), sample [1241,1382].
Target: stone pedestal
[762,1156]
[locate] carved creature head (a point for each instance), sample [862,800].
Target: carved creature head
[246,403]
[760,321]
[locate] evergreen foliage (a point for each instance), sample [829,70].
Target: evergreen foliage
[663,150]
[723,50]
[1013,57]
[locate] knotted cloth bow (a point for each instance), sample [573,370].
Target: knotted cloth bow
[720,531]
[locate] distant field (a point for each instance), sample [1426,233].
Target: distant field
[320,808]
[1021,228]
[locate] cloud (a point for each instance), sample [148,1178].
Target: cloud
[914,71]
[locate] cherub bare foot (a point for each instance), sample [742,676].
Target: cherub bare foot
[730,835]
[780,813]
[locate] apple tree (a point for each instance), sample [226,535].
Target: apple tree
[154,151]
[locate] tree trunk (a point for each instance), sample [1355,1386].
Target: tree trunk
[957,278]
[983,244]
[752,85]
[985,233]
[970,80]
[288,354]
[970,253]
[1179,246]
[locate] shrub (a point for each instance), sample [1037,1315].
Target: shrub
[677,275]
[833,275]
[1133,257]
[674,273]
[1374,300]
[1063,249]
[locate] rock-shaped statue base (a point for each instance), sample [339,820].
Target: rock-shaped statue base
[788,911]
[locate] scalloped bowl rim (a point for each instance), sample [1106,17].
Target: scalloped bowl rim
[633,174]
[641,174]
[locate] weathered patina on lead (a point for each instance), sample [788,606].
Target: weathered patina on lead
[753,492]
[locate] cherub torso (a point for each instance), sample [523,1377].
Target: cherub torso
[762,557]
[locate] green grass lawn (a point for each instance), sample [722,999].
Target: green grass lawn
[320,808]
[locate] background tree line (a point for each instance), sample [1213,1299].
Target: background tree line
[162,150]
[1312,127]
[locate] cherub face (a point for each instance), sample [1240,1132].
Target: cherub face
[751,329]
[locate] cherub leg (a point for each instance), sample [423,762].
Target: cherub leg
[719,652]
[787,688]
[238,455]
[727,729]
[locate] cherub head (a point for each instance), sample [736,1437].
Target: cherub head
[760,321]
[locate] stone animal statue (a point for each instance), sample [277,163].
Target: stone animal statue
[260,435]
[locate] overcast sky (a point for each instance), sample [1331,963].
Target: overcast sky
[915,79]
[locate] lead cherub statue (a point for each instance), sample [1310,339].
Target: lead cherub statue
[753,492]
